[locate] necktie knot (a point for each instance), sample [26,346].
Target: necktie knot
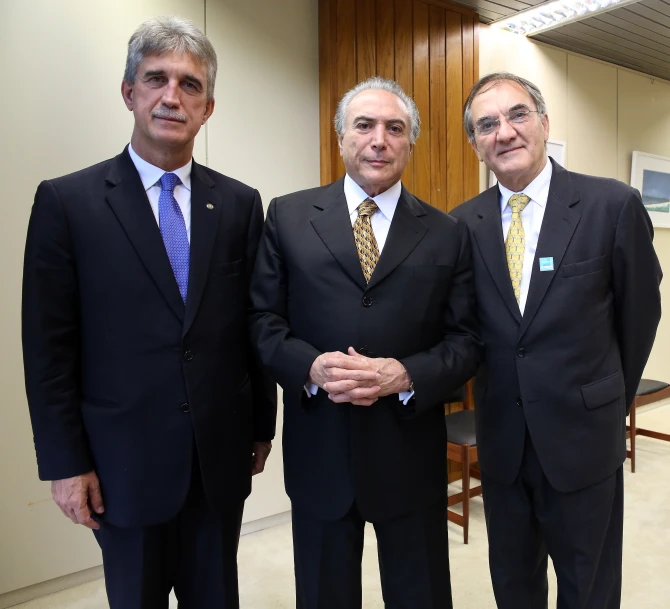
[367,208]
[169,181]
[518,202]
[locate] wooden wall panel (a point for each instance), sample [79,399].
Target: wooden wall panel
[431,48]
[421,96]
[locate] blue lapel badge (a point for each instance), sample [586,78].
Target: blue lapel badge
[547,264]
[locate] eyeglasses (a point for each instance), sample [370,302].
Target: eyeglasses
[488,125]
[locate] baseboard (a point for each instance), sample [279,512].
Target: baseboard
[264,523]
[29,593]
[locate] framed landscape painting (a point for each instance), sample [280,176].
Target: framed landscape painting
[650,174]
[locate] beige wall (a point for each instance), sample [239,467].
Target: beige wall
[62,110]
[603,112]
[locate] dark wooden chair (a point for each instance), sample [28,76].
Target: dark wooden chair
[649,391]
[462,448]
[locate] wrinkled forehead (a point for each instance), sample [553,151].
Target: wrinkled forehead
[499,97]
[378,104]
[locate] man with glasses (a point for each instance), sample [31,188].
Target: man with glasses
[568,297]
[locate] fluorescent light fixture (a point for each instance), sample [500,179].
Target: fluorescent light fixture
[556,13]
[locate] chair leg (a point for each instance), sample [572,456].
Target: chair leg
[633,433]
[465,466]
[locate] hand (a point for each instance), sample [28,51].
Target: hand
[77,496]
[259,457]
[392,375]
[352,378]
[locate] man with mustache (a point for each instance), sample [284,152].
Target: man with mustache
[149,411]
[363,311]
[568,300]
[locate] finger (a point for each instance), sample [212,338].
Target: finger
[83,515]
[344,374]
[257,465]
[68,513]
[348,363]
[95,497]
[364,402]
[361,393]
[346,385]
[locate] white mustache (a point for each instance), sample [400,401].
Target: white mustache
[167,113]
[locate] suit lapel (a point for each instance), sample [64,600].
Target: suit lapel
[489,237]
[333,226]
[406,231]
[206,205]
[558,225]
[128,200]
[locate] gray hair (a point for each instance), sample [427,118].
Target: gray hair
[383,84]
[170,34]
[494,79]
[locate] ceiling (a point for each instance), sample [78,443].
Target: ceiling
[636,36]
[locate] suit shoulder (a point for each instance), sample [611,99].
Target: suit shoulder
[239,188]
[465,210]
[92,173]
[587,185]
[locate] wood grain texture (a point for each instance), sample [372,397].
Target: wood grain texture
[385,39]
[455,175]
[430,48]
[438,110]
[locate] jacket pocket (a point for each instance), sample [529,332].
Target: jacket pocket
[227,268]
[604,391]
[593,265]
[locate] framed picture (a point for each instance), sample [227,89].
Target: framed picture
[555,149]
[650,174]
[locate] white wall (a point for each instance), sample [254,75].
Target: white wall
[62,62]
[603,112]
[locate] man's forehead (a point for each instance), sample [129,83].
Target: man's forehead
[164,60]
[501,95]
[376,102]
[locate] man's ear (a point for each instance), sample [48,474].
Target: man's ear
[339,143]
[209,109]
[127,90]
[474,147]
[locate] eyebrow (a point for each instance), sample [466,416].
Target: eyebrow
[372,120]
[188,77]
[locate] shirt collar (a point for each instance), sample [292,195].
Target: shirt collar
[387,201]
[537,190]
[150,174]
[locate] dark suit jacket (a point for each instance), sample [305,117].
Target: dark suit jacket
[569,368]
[309,296]
[121,377]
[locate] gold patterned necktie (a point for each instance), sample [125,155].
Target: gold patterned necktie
[366,244]
[515,245]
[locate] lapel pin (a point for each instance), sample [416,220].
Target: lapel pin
[210,206]
[547,264]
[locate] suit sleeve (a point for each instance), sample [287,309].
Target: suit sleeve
[637,299]
[51,345]
[442,369]
[287,358]
[264,388]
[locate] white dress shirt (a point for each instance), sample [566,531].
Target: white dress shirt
[531,218]
[381,223]
[151,175]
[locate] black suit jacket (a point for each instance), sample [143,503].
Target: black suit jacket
[123,378]
[309,296]
[569,368]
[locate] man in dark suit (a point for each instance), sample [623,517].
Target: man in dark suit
[363,312]
[568,300]
[148,411]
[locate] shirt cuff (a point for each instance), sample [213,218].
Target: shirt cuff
[311,389]
[405,396]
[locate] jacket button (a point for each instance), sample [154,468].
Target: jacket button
[188,356]
[521,352]
[367,301]
[185,407]
[519,403]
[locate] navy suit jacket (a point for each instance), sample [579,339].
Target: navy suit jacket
[568,369]
[121,376]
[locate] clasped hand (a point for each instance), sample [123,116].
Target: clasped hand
[357,379]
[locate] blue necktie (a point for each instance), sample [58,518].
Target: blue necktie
[173,229]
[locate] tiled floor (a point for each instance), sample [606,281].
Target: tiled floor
[265,558]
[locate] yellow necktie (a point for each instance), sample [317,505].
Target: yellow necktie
[515,245]
[366,244]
